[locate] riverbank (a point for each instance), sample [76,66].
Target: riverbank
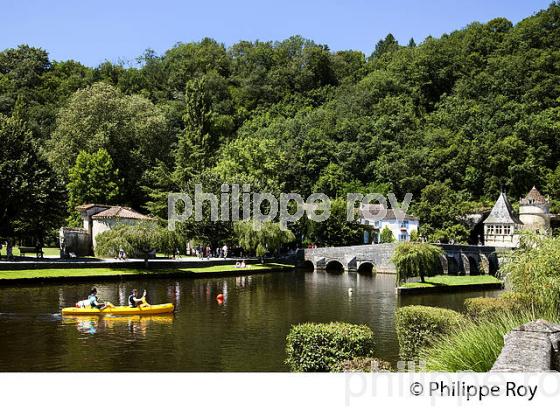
[450,283]
[65,274]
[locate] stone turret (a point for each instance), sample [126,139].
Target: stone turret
[502,225]
[534,212]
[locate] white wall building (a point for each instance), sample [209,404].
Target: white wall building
[375,218]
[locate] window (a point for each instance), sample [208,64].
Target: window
[404,224]
[498,229]
[490,229]
[507,230]
[402,237]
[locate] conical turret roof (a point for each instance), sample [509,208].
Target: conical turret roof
[502,213]
[534,197]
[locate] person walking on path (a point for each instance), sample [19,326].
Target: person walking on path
[225,249]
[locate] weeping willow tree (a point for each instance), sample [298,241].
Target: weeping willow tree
[413,259]
[136,240]
[269,238]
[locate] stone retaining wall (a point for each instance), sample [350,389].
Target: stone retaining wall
[134,264]
[532,347]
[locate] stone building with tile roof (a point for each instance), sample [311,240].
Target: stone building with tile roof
[502,226]
[96,219]
[534,212]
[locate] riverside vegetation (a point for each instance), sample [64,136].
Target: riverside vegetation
[450,341]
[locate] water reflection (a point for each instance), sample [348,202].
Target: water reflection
[136,325]
[247,332]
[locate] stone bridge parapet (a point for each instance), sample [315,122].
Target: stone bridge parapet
[458,259]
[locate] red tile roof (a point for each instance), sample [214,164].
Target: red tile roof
[120,212]
[534,197]
[85,207]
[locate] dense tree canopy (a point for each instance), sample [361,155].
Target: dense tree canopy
[92,179]
[450,120]
[28,187]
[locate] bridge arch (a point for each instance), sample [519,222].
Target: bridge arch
[493,263]
[307,265]
[474,265]
[453,265]
[366,267]
[334,266]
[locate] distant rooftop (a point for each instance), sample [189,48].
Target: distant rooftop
[85,207]
[375,209]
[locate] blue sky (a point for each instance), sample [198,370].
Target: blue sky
[97,30]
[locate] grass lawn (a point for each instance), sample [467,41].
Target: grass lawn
[47,252]
[85,272]
[448,280]
[55,253]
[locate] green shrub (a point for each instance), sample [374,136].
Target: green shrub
[419,326]
[480,308]
[364,364]
[475,347]
[516,298]
[533,270]
[386,235]
[321,347]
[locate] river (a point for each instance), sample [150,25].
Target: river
[245,333]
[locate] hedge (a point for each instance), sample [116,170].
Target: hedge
[419,326]
[322,347]
[483,308]
[364,364]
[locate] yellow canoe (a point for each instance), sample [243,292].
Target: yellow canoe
[121,310]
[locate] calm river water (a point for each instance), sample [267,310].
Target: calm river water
[246,333]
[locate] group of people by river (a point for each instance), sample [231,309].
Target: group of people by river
[206,252]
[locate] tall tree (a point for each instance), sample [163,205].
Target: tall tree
[387,45]
[131,129]
[92,179]
[31,199]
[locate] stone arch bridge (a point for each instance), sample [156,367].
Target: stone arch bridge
[458,259]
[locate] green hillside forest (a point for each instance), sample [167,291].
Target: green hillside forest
[452,120]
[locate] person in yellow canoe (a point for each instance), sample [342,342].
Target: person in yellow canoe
[93,301]
[135,301]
